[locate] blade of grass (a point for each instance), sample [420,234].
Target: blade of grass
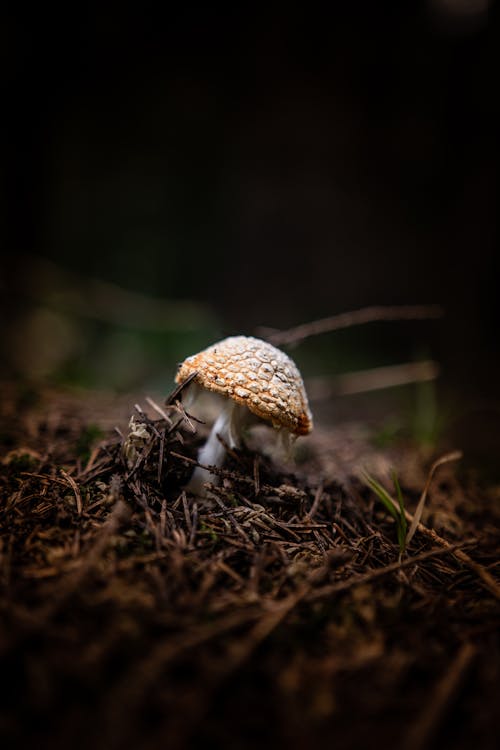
[382,495]
[484,575]
[390,505]
[402,526]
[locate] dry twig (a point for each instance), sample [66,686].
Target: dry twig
[354,318]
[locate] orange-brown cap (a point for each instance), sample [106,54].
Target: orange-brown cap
[254,374]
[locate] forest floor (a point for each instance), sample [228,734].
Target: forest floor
[277,611]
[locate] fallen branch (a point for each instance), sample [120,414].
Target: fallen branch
[353,318]
[373,575]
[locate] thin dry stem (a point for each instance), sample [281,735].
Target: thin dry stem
[354,318]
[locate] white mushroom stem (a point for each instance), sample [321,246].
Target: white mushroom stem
[228,426]
[287,440]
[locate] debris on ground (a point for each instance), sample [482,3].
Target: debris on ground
[277,610]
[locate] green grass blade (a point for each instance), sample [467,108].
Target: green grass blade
[382,495]
[390,505]
[402,525]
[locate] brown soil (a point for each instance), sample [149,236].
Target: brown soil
[273,612]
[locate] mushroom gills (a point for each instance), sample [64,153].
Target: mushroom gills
[229,426]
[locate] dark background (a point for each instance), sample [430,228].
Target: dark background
[176,176]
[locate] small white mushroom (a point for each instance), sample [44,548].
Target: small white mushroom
[256,381]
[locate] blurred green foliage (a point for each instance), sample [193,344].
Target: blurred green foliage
[73,330]
[69,329]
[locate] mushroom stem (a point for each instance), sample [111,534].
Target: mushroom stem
[228,426]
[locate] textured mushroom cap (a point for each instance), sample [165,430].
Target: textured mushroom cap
[255,374]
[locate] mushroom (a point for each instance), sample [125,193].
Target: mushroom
[254,381]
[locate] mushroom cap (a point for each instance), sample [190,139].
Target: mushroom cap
[254,374]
